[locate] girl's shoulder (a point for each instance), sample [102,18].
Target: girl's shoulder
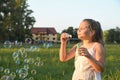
[98,45]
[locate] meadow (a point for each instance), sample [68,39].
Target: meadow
[44,64]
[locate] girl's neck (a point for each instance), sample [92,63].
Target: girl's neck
[85,42]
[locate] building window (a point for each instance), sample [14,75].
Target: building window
[53,38]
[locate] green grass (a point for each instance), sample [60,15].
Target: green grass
[52,68]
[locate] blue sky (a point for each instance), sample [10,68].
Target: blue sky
[64,13]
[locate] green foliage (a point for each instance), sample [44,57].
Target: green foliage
[53,69]
[15,20]
[112,35]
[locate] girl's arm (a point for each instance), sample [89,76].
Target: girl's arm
[63,54]
[98,63]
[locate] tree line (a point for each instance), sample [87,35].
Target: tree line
[15,20]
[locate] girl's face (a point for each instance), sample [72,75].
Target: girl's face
[84,32]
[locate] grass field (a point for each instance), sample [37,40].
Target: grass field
[43,63]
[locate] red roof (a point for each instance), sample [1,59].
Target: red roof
[48,30]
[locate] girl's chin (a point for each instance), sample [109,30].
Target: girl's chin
[80,37]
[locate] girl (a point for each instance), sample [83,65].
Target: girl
[90,56]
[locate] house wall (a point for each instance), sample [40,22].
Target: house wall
[49,37]
[52,37]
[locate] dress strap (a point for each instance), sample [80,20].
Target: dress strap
[93,46]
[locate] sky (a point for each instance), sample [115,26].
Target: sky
[62,14]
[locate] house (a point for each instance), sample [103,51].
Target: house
[44,34]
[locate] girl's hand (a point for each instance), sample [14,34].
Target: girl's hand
[84,52]
[64,38]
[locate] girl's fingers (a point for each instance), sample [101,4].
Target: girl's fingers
[83,51]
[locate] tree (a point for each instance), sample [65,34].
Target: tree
[112,35]
[15,20]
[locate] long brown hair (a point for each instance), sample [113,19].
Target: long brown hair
[95,26]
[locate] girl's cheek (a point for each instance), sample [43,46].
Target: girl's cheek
[87,33]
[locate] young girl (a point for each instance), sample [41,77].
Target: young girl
[89,54]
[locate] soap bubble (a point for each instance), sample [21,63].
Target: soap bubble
[28,40]
[31,60]
[23,73]
[33,48]
[33,72]
[22,50]
[12,75]
[17,71]
[15,54]
[23,70]
[7,44]
[26,60]
[17,62]
[26,66]
[7,71]
[37,63]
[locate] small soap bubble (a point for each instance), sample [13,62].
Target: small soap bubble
[17,71]
[26,61]
[31,60]
[23,73]
[22,50]
[26,66]
[23,70]
[17,62]
[15,54]
[7,71]
[28,40]
[37,63]
[12,75]
[33,72]
[7,44]
[33,48]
